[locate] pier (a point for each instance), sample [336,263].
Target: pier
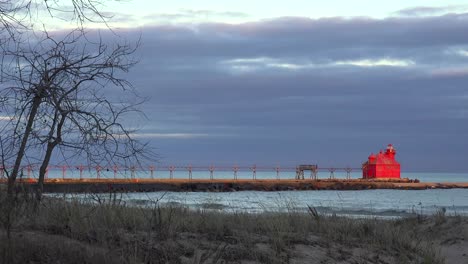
[80,179]
[225,185]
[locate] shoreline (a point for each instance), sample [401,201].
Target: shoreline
[229,185]
[110,232]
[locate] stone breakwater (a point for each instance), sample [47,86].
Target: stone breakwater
[228,185]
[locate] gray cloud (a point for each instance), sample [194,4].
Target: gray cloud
[292,90]
[304,43]
[191,15]
[430,10]
[118,17]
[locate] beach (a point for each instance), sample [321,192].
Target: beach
[110,231]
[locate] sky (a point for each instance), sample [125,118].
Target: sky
[294,82]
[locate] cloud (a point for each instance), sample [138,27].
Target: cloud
[169,135]
[463,53]
[193,16]
[450,72]
[6,118]
[377,63]
[246,65]
[294,89]
[243,65]
[317,41]
[195,13]
[431,10]
[119,18]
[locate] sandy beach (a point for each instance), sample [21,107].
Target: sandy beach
[105,231]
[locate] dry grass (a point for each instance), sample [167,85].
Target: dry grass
[56,231]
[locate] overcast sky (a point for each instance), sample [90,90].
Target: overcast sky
[326,82]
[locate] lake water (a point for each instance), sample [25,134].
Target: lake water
[366,202]
[381,203]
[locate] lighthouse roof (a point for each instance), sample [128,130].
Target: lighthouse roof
[382,158]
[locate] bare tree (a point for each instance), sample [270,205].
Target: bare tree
[56,99]
[14,12]
[53,89]
[22,17]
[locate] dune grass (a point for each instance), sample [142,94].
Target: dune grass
[75,231]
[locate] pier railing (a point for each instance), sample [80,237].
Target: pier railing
[212,172]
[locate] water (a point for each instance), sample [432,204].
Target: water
[381,203]
[391,203]
[437,177]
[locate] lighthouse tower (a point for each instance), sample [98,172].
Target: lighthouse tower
[382,165]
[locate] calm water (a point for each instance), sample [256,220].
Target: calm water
[383,203]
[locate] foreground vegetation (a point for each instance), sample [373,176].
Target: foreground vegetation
[58,231]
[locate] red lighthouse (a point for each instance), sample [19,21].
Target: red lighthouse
[382,165]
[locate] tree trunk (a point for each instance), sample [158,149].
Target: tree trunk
[43,170]
[50,148]
[24,141]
